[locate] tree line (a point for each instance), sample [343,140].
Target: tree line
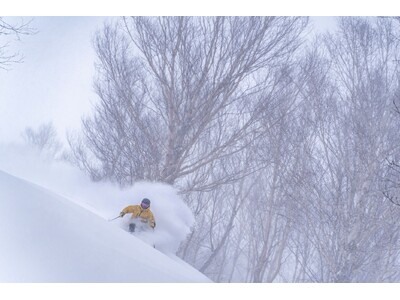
[284,145]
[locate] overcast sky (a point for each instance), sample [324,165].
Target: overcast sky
[54,83]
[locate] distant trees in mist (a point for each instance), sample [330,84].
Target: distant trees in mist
[44,139]
[279,143]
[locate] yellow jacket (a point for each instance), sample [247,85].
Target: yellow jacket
[146,216]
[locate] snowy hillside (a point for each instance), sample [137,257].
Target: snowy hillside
[47,238]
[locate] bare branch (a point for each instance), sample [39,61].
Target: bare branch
[8,30]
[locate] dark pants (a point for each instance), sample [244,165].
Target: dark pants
[132,227]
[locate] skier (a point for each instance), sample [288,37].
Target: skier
[140,213]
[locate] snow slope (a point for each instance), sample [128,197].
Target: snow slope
[173,216]
[47,238]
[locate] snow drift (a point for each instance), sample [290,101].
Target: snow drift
[47,238]
[173,217]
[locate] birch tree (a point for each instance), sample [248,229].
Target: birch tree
[179,93]
[355,238]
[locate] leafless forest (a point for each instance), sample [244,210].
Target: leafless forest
[285,144]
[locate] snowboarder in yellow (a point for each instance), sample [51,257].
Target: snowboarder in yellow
[140,213]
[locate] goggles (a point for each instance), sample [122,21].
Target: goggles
[144,205]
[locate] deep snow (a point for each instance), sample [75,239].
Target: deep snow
[47,238]
[173,217]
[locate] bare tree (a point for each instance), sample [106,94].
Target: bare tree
[348,222]
[177,94]
[8,30]
[44,139]
[281,154]
[256,238]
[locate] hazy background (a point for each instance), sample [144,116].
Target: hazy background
[54,81]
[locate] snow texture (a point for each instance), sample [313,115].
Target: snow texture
[46,237]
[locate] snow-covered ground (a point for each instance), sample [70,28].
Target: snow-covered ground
[47,238]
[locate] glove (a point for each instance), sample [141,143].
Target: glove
[122,214]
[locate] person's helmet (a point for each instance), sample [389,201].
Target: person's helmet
[145,203]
